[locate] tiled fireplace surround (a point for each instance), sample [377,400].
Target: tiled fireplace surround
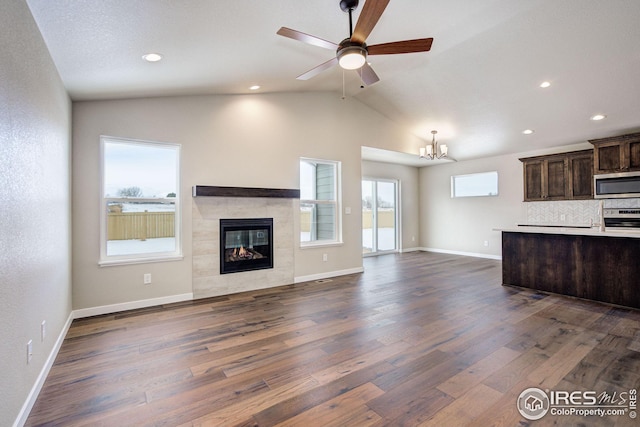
[207,212]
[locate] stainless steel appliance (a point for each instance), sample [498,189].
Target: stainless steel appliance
[623,219]
[616,185]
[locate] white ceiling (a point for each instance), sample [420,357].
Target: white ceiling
[479,85]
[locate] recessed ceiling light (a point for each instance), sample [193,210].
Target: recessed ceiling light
[545,84]
[254,87]
[597,117]
[152,57]
[528,131]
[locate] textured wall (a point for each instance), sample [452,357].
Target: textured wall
[35,283]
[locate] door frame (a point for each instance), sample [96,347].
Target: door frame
[397,216]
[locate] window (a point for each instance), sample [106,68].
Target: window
[319,202]
[140,209]
[475,184]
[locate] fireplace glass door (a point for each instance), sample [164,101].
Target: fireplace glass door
[246,244]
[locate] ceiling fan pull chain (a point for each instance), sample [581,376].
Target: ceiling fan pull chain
[343,90]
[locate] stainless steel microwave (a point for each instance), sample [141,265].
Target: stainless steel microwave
[616,185]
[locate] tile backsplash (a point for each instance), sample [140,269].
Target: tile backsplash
[571,212]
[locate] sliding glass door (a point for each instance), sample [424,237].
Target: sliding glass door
[379,216]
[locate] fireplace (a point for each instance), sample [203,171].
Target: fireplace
[246,244]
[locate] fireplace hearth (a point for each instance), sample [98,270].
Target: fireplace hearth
[246,244]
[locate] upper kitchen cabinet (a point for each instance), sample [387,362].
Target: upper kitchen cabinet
[616,154]
[565,176]
[545,178]
[580,174]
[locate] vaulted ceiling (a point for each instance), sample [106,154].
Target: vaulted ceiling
[478,86]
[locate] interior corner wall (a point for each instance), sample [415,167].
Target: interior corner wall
[407,177]
[35,221]
[463,225]
[251,140]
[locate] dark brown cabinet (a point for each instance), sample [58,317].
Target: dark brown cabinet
[580,175]
[592,267]
[616,154]
[565,176]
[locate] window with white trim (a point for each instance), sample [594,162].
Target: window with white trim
[140,208]
[319,202]
[475,185]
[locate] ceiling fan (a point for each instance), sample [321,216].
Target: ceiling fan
[351,53]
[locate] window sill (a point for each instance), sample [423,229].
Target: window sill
[311,245]
[146,260]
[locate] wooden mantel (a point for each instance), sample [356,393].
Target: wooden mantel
[215,191]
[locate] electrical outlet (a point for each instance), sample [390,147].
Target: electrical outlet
[147,278]
[563,217]
[413,238]
[486,243]
[325,257]
[29,351]
[43,330]
[347,210]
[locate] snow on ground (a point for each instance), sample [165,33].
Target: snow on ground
[149,246]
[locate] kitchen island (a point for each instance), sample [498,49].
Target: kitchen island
[579,262]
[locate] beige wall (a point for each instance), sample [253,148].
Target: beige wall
[244,140]
[407,176]
[35,232]
[464,224]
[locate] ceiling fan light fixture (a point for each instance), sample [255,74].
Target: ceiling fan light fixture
[352,57]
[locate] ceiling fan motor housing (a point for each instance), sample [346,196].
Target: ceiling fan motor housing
[347,47]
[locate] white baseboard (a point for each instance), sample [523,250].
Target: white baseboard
[472,254]
[320,276]
[44,372]
[114,308]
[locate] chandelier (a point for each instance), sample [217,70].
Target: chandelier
[433,151]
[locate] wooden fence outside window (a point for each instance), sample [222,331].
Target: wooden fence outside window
[153,225]
[140,225]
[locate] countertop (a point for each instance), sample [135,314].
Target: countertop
[576,230]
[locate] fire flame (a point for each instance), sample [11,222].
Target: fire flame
[241,252]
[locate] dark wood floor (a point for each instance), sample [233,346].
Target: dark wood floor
[418,339]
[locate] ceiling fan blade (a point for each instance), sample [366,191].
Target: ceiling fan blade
[371,12]
[406,46]
[367,74]
[317,70]
[306,38]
